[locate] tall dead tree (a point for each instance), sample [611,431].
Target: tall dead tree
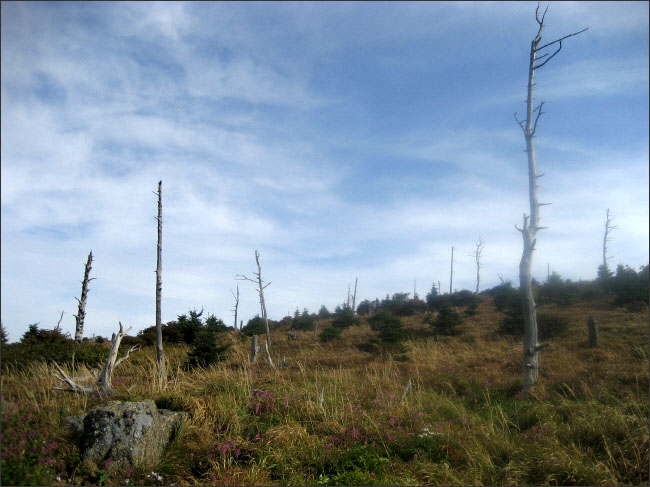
[477,256]
[531,222]
[354,296]
[608,228]
[103,385]
[260,290]
[451,275]
[236,296]
[81,312]
[162,372]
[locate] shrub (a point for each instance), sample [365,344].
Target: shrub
[344,318]
[22,355]
[206,351]
[213,324]
[329,333]
[304,321]
[447,321]
[432,296]
[549,324]
[505,297]
[472,309]
[588,290]
[36,335]
[323,312]
[27,452]
[557,290]
[364,307]
[255,326]
[190,326]
[629,286]
[390,327]
[463,298]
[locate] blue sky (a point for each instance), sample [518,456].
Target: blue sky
[341,140]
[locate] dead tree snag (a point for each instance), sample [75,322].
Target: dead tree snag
[81,313]
[162,373]
[260,290]
[531,221]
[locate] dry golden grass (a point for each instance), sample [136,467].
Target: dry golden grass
[584,423]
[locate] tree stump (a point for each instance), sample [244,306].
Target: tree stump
[254,349]
[592,325]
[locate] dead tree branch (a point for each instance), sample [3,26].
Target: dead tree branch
[102,386]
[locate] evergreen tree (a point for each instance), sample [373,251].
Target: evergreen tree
[3,334]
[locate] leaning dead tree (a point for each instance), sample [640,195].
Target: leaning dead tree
[477,256]
[81,313]
[103,382]
[531,222]
[354,296]
[260,290]
[162,372]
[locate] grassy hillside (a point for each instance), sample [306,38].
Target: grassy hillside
[461,420]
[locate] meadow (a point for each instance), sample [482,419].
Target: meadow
[449,412]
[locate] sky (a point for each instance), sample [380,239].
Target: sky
[340,140]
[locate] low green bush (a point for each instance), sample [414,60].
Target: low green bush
[447,321]
[329,333]
[206,351]
[549,324]
[344,318]
[22,355]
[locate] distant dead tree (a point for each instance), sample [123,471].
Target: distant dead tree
[102,386]
[451,275]
[162,372]
[604,272]
[354,296]
[58,325]
[260,290]
[477,256]
[81,312]
[234,310]
[531,222]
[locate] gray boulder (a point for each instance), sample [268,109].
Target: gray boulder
[131,434]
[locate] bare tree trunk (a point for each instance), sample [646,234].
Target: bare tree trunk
[608,228]
[58,325]
[260,289]
[236,296]
[477,257]
[531,223]
[451,275]
[162,373]
[354,296]
[103,382]
[592,325]
[81,313]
